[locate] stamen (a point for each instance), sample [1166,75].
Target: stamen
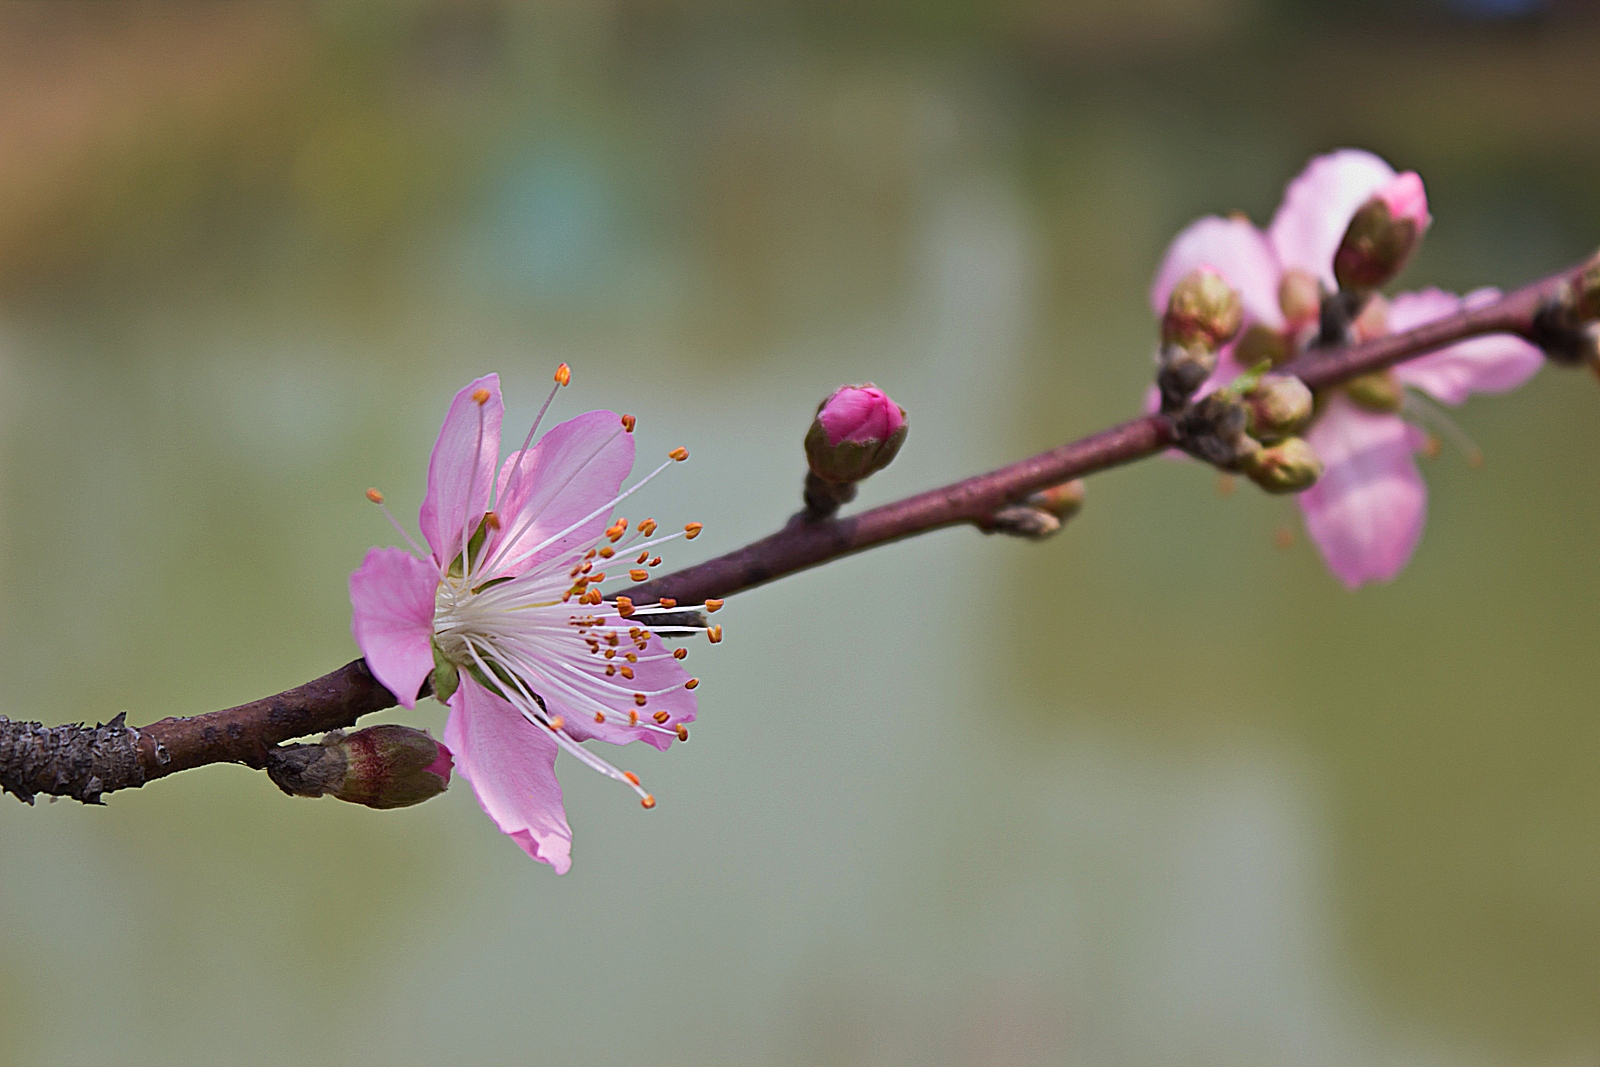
[1425,410]
[714,605]
[638,575]
[680,653]
[640,699]
[563,375]
[715,633]
[668,602]
[692,530]
[683,732]
[647,802]
[374,496]
[692,683]
[661,717]
[680,454]
[480,397]
[624,606]
[628,422]
[647,527]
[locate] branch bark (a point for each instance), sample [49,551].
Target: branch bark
[85,763]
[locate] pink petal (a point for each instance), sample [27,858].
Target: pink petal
[511,765]
[860,413]
[1317,207]
[1492,364]
[392,596]
[1366,512]
[572,470]
[461,469]
[1234,249]
[649,675]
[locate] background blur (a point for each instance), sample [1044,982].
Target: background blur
[1158,791]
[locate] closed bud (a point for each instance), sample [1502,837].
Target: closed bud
[857,431]
[1290,466]
[1383,234]
[1063,501]
[385,766]
[1203,311]
[1181,371]
[1300,297]
[1279,406]
[1262,344]
[1378,391]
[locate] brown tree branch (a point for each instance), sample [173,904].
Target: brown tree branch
[84,763]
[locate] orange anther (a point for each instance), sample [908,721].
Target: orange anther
[599,716]
[715,633]
[714,605]
[633,718]
[617,529]
[598,576]
[642,557]
[692,530]
[638,575]
[633,779]
[492,520]
[624,606]
[610,671]
[656,562]
[557,722]
[639,699]
[679,454]
[606,551]
[648,802]
[480,397]
[668,602]
[630,657]
[679,653]
[563,374]
[628,422]
[691,683]
[611,653]
[627,672]
[374,496]
[683,732]
[647,527]
[661,717]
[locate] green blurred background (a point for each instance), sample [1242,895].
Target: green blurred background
[1159,791]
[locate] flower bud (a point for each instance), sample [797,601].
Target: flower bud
[1021,520]
[1203,311]
[385,766]
[1279,406]
[857,431]
[1289,466]
[1181,370]
[1063,501]
[1383,234]
[1300,297]
[1262,344]
[1378,391]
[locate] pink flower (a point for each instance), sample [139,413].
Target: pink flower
[1366,512]
[505,613]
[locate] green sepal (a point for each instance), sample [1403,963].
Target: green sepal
[446,677]
[474,546]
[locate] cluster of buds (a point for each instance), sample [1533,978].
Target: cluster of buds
[385,766]
[1203,313]
[1253,428]
[1039,515]
[856,432]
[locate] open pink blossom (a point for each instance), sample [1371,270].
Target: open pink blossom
[1366,512]
[505,613]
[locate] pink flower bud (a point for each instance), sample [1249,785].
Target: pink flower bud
[857,431]
[1383,234]
[385,766]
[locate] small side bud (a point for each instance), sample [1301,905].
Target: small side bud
[1203,311]
[1300,297]
[1063,501]
[1379,391]
[1180,371]
[1279,406]
[1020,520]
[1383,234]
[1262,344]
[1290,466]
[385,766]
